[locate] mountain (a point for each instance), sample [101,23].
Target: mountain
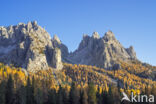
[83,74]
[28,46]
[58,44]
[105,52]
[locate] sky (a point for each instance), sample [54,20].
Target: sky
[132,21]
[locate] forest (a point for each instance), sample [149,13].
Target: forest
[75,84]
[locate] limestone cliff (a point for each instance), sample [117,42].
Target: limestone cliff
[28,46]
[105,52]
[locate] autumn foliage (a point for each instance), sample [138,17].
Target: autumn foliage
[75,84]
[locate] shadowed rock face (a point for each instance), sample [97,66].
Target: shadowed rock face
[105,52]
[28,46]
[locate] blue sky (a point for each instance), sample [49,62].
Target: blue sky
[132,21]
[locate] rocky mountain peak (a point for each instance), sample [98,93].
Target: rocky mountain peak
[85,36]
[102,52]
[28,46]
[96,35]
[58,44]
[109,36]
[56,38]
[32,23]
[131,52]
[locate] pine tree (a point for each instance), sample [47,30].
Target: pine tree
[39,97]
[9,91]
[74,96]
[21,95]
[51,97]
[104,97]
[98,96]
[118,85]
[29,93]
[65,96]
[110,96]
[83,97]
[33,90]
[60,96]
[2,92]
[91,94]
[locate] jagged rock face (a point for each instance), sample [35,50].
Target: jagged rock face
[56,60]
[28,46]
[105,52]
[131,52]
[58,44]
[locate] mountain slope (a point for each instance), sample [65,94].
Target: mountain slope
[30,47]
[105,52]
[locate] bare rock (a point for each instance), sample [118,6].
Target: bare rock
[25,45]
[56,59]
[105,52]
[58,44]
[96,35]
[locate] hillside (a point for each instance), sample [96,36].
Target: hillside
[45,81]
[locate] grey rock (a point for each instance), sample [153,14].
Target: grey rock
[56,59]
[105,52]
[56,39]
[96,35]
[58,44]
[25,45]
[131,52]
[29,46]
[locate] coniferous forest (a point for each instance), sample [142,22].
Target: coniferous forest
[48,87]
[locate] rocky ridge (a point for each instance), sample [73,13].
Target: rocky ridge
[28,46]
[58,44]
[104,52]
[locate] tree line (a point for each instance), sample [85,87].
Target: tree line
[29,94]
[72,85]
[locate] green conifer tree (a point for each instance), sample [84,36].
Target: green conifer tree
[2,92]
[91,94]
[83,97]
[9,91]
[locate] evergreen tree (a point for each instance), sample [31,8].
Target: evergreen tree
[29,93]
[91,94]
[118,85]
[74,96]
[33,90]
[98,96]
[2,92]
[51,97]
[110,96]
[9,91]
[65,96]
[39,97]
[60,96]
[21,95]
[104,97]
[83,97]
